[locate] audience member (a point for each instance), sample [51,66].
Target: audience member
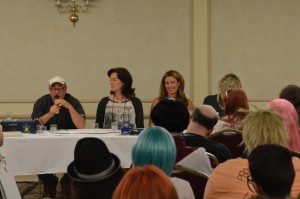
[228,81]
[61,108]
[230,179]
[155,146]
[173,116]
[121,106]
[287,110]
[203,120]
[172,86]
[94,172]
[146,182]
[235,108]
[272,171]
[292,94]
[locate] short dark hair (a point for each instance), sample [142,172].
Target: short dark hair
[271,167]
[171,114]
[124,75]
[292,94]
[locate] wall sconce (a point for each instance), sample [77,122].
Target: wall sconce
[73,8]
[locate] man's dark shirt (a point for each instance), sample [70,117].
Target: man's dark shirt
[221,152]
[63,119]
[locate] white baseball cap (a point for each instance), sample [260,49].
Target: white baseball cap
[57,79]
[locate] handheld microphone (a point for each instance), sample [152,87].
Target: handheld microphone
[56,97]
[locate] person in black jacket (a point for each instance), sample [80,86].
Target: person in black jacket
[121,105]
[203,120]
[228,81]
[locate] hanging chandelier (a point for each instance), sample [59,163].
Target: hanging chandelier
[73,9]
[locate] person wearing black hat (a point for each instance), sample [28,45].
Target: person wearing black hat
[204,118]
[173,115]
[94,172]
[121,105]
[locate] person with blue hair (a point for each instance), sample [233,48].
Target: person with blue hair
[156,146]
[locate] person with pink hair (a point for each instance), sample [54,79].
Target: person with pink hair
[288,111]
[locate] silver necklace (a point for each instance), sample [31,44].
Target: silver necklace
[118,100]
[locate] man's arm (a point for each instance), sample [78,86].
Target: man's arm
[38,112]
[78,119]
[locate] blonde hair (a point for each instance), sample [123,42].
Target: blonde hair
[229,81]
[264,126]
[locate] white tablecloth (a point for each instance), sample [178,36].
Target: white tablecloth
[52,153]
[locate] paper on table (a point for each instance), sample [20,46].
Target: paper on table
[86,131]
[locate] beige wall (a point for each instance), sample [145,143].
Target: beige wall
[200,50]
[37,42]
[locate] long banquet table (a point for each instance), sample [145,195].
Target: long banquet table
[51,153]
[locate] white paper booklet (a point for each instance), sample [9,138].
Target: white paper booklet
[197,160]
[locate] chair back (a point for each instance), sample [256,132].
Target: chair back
[232,139]
[196,179]
[213,159]
[8,185]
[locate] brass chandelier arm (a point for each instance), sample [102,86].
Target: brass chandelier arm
[73,8]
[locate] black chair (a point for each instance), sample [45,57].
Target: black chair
[196,179]
[232,139]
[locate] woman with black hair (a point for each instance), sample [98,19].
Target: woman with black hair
[121,105]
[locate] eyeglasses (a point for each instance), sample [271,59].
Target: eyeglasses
[56,89]
[250,184]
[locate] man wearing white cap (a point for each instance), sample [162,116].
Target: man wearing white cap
[61,108]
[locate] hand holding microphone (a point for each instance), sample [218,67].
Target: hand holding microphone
[55,108]
[61,102]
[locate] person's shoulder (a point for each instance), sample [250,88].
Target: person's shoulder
[44,98]
[70,97]
[233,163]
[221,125]
[218,146]
[210,98]
[155,101]
[190,105]
[191,136]
[136,99]
[105,98]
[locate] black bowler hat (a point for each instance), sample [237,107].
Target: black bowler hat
[92,161]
